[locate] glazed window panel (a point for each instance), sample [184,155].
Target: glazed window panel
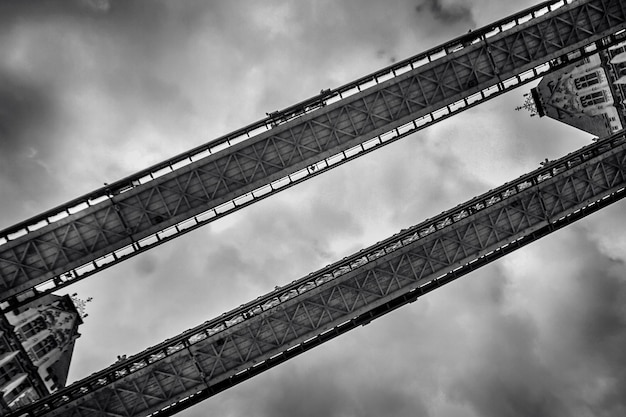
[26,385]
[33,327]
[7,372]
[593,99]
[45,346]
[4,346]
[587,80]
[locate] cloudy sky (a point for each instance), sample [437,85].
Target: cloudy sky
[93,90]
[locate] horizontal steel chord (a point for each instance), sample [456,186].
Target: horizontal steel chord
[135,219]
[307,312]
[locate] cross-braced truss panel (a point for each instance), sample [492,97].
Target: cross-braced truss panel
[368,281]
[145,392]
[56,252]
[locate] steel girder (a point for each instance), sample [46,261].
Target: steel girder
[292,319]
[133,218]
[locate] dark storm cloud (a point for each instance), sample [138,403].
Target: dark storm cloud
[138,11]
[23,107]
[506,378]
[601,326]
[545,361]
[85,80]
[120,44]
[334,396]
[289,399]
[13,12]
[446,12]
[27,116]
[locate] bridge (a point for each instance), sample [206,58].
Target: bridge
[121,220]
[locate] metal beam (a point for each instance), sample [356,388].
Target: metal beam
[296,143]
[290,320]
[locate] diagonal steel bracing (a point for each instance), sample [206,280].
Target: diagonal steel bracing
[134,216]
[273,328]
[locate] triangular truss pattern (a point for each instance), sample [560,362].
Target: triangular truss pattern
[73,246]
[366,284]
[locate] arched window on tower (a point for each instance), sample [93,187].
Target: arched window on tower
[45,346]
[593,99]
[33,327]
[7,372]
[587,80]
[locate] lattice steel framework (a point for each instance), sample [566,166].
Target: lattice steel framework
[130,216]
[271,329]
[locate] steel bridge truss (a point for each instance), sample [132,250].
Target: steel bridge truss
[246,341]
[156,205]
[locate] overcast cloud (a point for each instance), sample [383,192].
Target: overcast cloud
[93,90]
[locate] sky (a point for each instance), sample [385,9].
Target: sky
[93,90]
